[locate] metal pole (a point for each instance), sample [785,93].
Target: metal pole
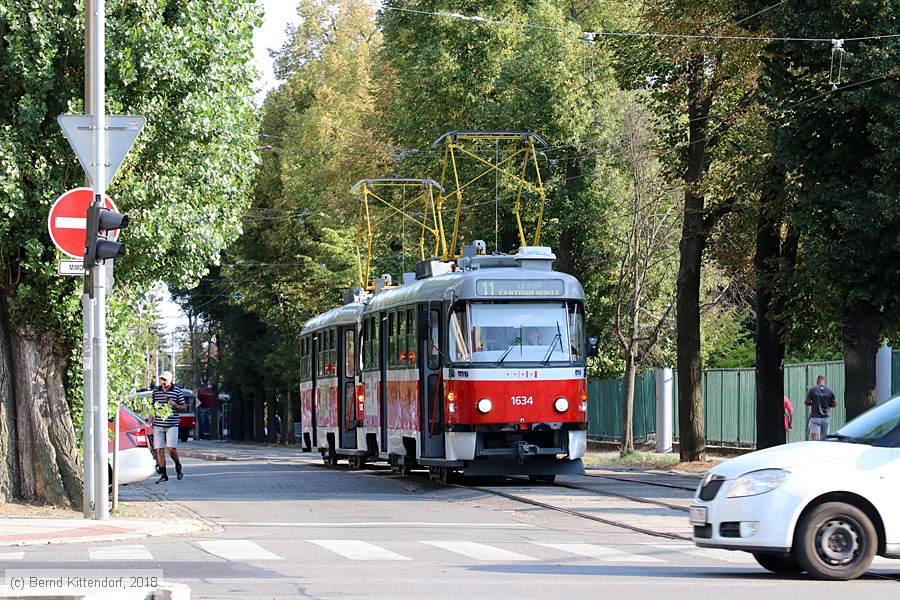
[115,463]
[664,410]
[98,273]
[87,303]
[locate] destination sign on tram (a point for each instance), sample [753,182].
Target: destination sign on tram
[520,288]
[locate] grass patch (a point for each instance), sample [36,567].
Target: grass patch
[634,459]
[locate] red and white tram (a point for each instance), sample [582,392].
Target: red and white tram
[477,366]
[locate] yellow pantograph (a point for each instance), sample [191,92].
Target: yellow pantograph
[513,166]
[378,193]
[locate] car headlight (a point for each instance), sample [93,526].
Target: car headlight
[485,405]
[561,405]
[757,482]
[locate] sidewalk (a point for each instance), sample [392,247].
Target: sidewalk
[26,531]
[215,450]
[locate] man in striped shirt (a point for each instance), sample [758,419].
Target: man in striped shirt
[165,428]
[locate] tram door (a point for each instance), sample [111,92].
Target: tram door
[382,350]
[314,370]
[347,387]
[431,390]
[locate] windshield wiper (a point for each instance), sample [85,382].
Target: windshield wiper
[518,340]
[556,338]
[843,438]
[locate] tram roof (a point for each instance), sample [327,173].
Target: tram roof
[482,284]
[342,315]
[486,284]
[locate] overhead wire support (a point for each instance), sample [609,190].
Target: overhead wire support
[367,225]
[525,150]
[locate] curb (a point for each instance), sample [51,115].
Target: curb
[188,453]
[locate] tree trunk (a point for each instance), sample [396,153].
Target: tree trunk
[9,488]
[287,437]
[271,419]
[47,465]
[628,404]
[692,438]
[862,326]
[259,414]
[769,339]
[214,410]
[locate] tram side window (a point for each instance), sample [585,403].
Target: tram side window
[434,357]
[304,359]
[320,354]
[401,338]
[576,332]
[349,352]
[459,335]
[392,340]
[411,337]
[332,352]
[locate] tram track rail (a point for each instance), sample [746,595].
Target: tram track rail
[573,513]
[643,482]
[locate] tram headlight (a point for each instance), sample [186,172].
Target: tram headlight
[561,405]
[485,405]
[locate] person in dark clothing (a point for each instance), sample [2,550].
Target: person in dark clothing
[821,400]
[165,429]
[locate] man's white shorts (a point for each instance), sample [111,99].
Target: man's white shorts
[165,437]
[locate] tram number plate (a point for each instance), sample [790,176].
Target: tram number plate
[522,400]
[698,515]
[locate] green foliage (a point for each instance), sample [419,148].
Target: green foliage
[184,184]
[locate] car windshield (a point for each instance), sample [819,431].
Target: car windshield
[512,332]
[874,424]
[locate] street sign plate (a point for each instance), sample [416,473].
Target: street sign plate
[238,296]
[72,268]
[121,132]
[67,220]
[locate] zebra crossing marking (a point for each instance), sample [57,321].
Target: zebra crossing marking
[358,550]
[12,555]
[604,553]
[112,553]
[237,550]
[479,551]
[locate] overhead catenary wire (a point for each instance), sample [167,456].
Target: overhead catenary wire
[593,35]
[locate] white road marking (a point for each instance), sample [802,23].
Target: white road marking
[237,550]
[603,553]
[120,553]
[70,223]
[731,556]
[358,550]
[12,555]
[479,551]
[383,524]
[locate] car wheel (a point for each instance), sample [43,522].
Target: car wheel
[835,541]
[778,563]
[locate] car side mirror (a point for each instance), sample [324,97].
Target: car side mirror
[592,347]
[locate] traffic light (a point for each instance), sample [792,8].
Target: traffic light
[96,246]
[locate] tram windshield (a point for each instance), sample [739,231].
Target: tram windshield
[514,332]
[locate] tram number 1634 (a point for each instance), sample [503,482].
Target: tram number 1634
[522,400]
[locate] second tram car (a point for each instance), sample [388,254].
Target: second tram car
[476,366]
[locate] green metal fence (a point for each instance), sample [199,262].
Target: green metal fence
[895,373]
[605,407]
[729,403]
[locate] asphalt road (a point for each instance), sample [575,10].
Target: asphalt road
[282,526]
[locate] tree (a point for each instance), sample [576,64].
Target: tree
[704,84]
[644,296]
[186,68]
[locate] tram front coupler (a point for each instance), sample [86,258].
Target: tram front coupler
[524,450]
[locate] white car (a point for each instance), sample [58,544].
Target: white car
[823,507]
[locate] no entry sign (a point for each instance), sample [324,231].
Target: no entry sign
[67,221]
